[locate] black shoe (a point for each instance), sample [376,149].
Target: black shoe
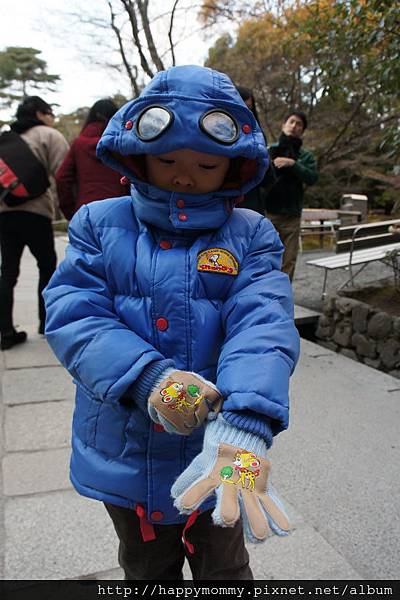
[12,339]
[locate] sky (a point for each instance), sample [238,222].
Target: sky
[40,24]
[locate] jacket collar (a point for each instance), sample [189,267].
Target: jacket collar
[180,213]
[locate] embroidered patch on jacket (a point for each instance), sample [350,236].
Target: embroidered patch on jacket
[217,260]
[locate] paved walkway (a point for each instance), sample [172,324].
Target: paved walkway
[337,470]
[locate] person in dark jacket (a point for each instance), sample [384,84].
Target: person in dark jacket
[30,224]
[82,178]
[294,167]
[254,199]
[172,315]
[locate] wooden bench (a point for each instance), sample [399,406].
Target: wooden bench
[359,245]
[323,222]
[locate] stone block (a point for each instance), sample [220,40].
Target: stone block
[342,335]
[345,305]
[57,536]
[35,472]
[329,345]
[325,327]
[389,352]
[42,384]
[364,346]
[329,305]
[349,353]
[375,363]
[359,317]
[379,325]
[38,426]
[396,327]
[288,561]
[34,353]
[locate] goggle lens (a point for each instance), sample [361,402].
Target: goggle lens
[220,126]
[153,122]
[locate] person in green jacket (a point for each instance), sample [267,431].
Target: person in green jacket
[294,167]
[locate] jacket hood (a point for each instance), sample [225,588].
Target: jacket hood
[188,92]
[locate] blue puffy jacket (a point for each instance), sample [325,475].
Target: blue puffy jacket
[142,289]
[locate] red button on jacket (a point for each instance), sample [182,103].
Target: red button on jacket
[180,203]
[162,324]
[157,515]
[182,217]
[165,244]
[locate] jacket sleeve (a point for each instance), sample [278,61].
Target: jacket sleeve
[66,181]
[305,168]
[102,354]
[261,344]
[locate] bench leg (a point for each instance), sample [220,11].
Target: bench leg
[324,285]
[352,276]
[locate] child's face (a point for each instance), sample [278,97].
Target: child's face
[187,171]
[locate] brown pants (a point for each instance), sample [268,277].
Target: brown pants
[288,228]
[219,552]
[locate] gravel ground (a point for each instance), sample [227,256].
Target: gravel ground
[308,280]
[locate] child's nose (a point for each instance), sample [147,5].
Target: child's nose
[183,180]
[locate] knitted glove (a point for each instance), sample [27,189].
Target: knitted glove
[182,400]
[234,464]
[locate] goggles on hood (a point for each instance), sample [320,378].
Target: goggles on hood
[154,120]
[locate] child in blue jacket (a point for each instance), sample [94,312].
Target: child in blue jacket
[172,315]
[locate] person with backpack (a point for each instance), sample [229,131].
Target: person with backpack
[29,155]
[82,178]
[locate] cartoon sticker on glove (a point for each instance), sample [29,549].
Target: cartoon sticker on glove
[246,468]
[177,398]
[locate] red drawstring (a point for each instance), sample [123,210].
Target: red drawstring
[191,520]
[146,528]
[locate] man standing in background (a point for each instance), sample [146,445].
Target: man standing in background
[294,167]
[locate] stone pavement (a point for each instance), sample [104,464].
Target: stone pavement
[337,470]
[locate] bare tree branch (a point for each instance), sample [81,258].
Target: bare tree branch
[129,70]
[171,24]
[343,130]
[142,6]
[130,9]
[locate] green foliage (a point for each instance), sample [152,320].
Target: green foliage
[71,124]
[21,70]
[338,61]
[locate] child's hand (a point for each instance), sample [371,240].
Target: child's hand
[182,401]
[239,476]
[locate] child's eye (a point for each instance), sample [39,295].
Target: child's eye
[166,161]
[208,167]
